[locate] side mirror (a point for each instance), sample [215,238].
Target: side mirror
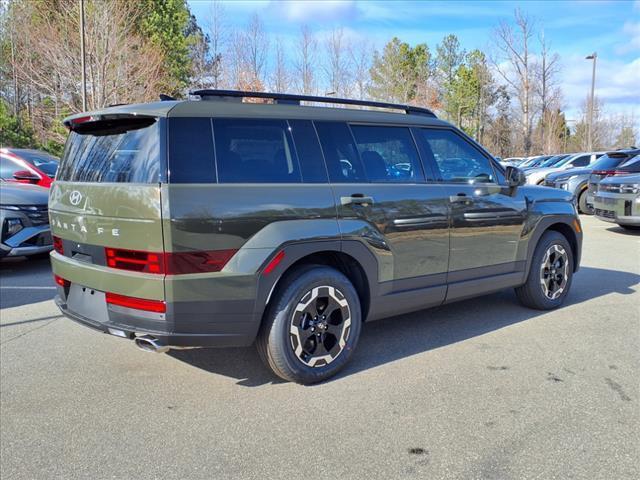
[515,177]
[26,176]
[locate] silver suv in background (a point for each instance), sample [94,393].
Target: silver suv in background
[536,176]
[24,220]
[617,200]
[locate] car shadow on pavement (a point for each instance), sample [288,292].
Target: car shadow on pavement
[624,231]
[24,281]
[387,340]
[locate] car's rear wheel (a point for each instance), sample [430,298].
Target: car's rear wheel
[583,207]
[312,325]
[550,275]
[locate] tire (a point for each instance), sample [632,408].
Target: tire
[550,274]
[633,228]
[293,325]
[582,203]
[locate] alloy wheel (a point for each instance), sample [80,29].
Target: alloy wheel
[554,271]
[320,326]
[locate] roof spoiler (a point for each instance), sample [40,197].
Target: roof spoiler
[291,99]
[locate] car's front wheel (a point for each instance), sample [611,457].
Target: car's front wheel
[550,274]
[312,325]
[583,206]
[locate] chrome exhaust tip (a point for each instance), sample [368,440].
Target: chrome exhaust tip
[148,343]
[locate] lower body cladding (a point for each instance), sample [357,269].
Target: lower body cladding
[181,326]
[623,209]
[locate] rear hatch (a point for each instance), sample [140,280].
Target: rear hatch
[613,163]
[105,210]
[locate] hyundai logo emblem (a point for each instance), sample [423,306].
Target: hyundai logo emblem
[75,197]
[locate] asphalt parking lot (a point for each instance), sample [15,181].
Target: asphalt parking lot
[478,389]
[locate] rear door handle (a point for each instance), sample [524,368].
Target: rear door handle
[357,199]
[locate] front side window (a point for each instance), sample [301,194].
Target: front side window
[457,160]
[8,168]
[388,154]
[255,151]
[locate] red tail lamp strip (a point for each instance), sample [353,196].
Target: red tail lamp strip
[169,263]
[61,281]
[157,306]
[57,245]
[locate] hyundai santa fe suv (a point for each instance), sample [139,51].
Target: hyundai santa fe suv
[219,222]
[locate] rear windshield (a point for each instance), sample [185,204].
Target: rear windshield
[127,152]
[606,162]
[631,165]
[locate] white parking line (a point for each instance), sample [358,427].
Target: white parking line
[27,288]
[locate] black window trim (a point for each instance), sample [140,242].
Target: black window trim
[465,138]
[295,147]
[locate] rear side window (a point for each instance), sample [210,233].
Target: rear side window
[191,157]
[255,151]
[457,160]
[582,161]
[340,152]
[308,150]
[121,151]
[388,154]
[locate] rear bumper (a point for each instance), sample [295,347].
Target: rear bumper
[127,324]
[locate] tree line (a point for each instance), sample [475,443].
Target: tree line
[508,97]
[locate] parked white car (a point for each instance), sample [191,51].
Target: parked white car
[536,176]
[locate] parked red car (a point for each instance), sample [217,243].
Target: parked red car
[23,165]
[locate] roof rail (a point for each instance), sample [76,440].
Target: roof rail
[291,99]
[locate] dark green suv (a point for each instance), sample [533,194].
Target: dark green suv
[221,222]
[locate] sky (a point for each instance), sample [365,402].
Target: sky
[573,29]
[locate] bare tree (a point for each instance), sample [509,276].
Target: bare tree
[121,65]
[250,48]
[514,50]
[547,90]
[306,61]
[337,64]
[280,74]
[218,32]
[361,53]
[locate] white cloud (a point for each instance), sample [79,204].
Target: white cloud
[617,84]
[631,35]
[316,10]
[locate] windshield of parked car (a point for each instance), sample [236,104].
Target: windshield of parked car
[553,160]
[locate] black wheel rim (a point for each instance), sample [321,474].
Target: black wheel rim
[320,326]
[554,271]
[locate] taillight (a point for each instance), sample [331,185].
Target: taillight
[157,306]
[197,262]
[170,263]
[135,260]
[57,245]
[603,172]
[61,281]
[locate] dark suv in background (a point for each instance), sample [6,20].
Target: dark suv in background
[221,222]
